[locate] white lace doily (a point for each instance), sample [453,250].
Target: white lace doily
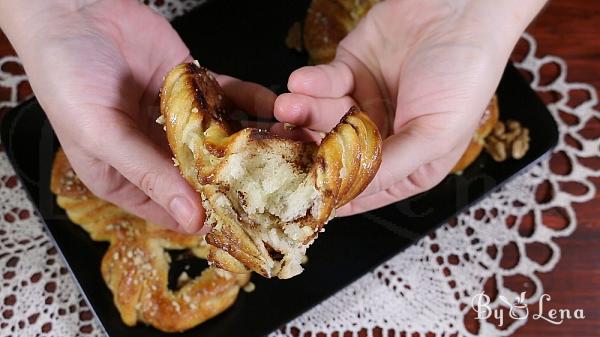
[427,288]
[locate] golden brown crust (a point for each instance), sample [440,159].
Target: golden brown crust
[370,153]
[328,22]
[486,125]
[64,180]
[338,170]
[135,266]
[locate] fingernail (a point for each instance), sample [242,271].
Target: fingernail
[183,211]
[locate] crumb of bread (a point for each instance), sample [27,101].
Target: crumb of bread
[249,287]
[183,279]
[304,260]
[265,184]
[223,273]
[293,39]
[274,192]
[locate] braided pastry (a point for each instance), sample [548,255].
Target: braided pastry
[266,197]
[136,265]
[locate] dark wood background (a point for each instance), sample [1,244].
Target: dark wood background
[569,29]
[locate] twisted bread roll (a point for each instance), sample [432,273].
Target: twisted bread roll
[136,265]
[266,198]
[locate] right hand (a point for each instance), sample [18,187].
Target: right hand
[96,69]
[424,71]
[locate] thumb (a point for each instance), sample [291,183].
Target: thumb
[320,95]
[149,168]
[333,80]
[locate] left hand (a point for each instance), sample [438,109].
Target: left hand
[96,68]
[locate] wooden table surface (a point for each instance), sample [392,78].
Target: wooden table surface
[569,29]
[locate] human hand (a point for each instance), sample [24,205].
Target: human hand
[96,68]
[424,71]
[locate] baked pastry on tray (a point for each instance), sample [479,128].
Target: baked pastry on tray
[136,265]
[266,197]
[327,22]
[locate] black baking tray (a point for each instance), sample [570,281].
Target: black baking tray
[246,39]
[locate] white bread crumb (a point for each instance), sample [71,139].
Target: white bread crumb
[249,287]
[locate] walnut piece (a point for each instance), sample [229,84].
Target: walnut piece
[508,140]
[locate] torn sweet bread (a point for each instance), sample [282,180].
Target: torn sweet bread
[136,265]
[266,197]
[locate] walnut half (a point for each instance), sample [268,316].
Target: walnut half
[508,140]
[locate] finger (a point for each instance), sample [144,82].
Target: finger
[296,133]
[314,113]
[153,172]
[422,179]
[162,64]
[420,153]
[204,230]
[332,80]
[133,200]
[129,197]
[157,134]
[107,183]
[250,97]
[337,79]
